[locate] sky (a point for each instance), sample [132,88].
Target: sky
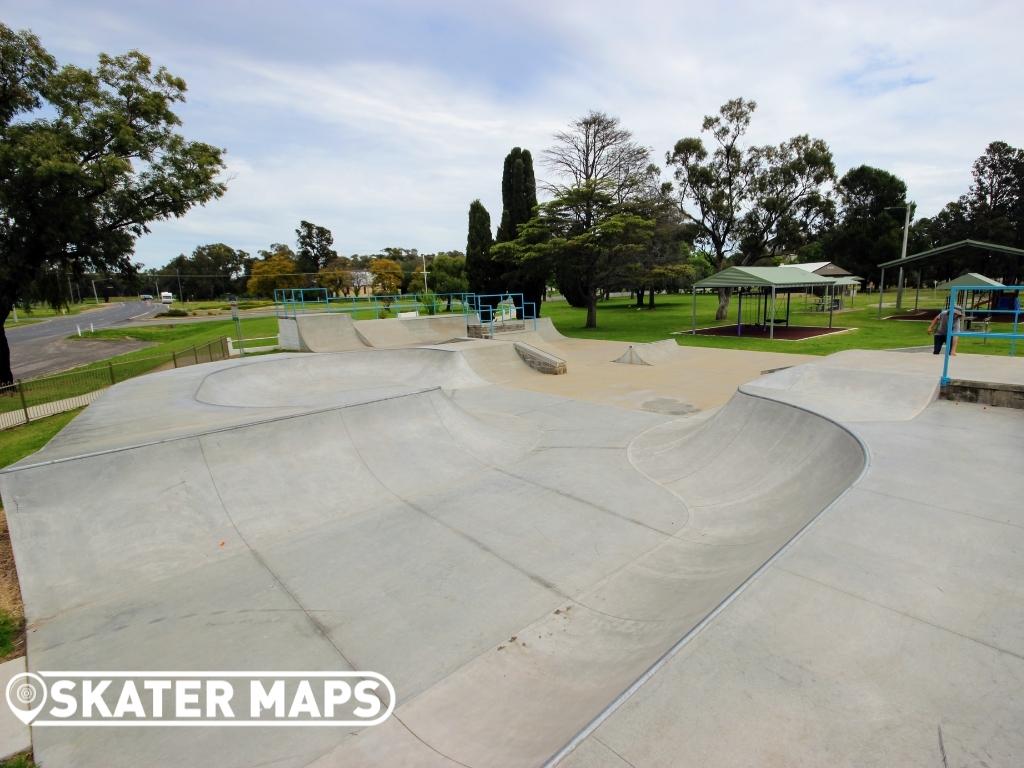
[382,120]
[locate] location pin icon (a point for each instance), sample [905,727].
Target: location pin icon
[24,690]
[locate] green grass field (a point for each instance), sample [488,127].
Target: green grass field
[19,442]
[169,336]
[18,761]
[618,319]
[42,312]
[165,341]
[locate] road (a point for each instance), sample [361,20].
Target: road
[44,347]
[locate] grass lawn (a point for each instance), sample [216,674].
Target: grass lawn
[42,312]
[165,339]
[219,305]
[618,319]
[18,761]
[177,337]
[18,442]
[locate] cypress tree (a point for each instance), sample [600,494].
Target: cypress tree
[518,199]
[480,268]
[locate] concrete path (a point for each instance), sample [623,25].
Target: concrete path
[14,734]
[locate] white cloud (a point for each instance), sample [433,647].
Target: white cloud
[391,150]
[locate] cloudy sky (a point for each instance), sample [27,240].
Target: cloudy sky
[383,119]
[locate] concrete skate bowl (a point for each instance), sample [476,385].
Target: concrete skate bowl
[324,379]
[512,570]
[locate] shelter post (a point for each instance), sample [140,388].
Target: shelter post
[693,313]
[771,331]
[881,292]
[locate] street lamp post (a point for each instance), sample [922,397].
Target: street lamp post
[903,251]
[424,257]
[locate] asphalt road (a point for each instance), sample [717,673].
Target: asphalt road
[41,348]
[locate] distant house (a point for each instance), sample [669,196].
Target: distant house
[362,282]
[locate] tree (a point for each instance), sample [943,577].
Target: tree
[519,198]
[664,265]
[992,210]
[387,276]
[88,160]
[448,275]
[791,204]
[870,229]
[314,247]
[599,167]
[749,204]
[605,253]
[276,270]
[597,149]
[212,270]
[484,277]
[336,276]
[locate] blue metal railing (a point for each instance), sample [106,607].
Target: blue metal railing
[289,302]
[490,309]
[494,309]
[952,333]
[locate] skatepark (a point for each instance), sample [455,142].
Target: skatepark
[559,551]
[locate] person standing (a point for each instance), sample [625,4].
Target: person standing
[940,321]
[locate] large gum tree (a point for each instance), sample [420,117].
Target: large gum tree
[89,158]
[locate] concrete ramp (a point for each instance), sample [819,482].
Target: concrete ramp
[328,332]
[337,332]
[411,331]
[854,386]
[546,329]
[319,381]
[652,353]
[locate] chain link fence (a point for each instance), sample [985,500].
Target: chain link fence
[31,399]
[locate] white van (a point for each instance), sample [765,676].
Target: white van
[166,297]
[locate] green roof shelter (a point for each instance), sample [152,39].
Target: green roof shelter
[762,282]
[938,253]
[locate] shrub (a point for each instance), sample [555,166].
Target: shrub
[428,302]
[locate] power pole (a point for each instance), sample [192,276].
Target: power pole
[903,255]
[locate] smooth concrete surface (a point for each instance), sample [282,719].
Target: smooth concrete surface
[891,633]
[14,734]
[541,576]
[338,332]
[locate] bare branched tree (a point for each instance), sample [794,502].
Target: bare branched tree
[597,151]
